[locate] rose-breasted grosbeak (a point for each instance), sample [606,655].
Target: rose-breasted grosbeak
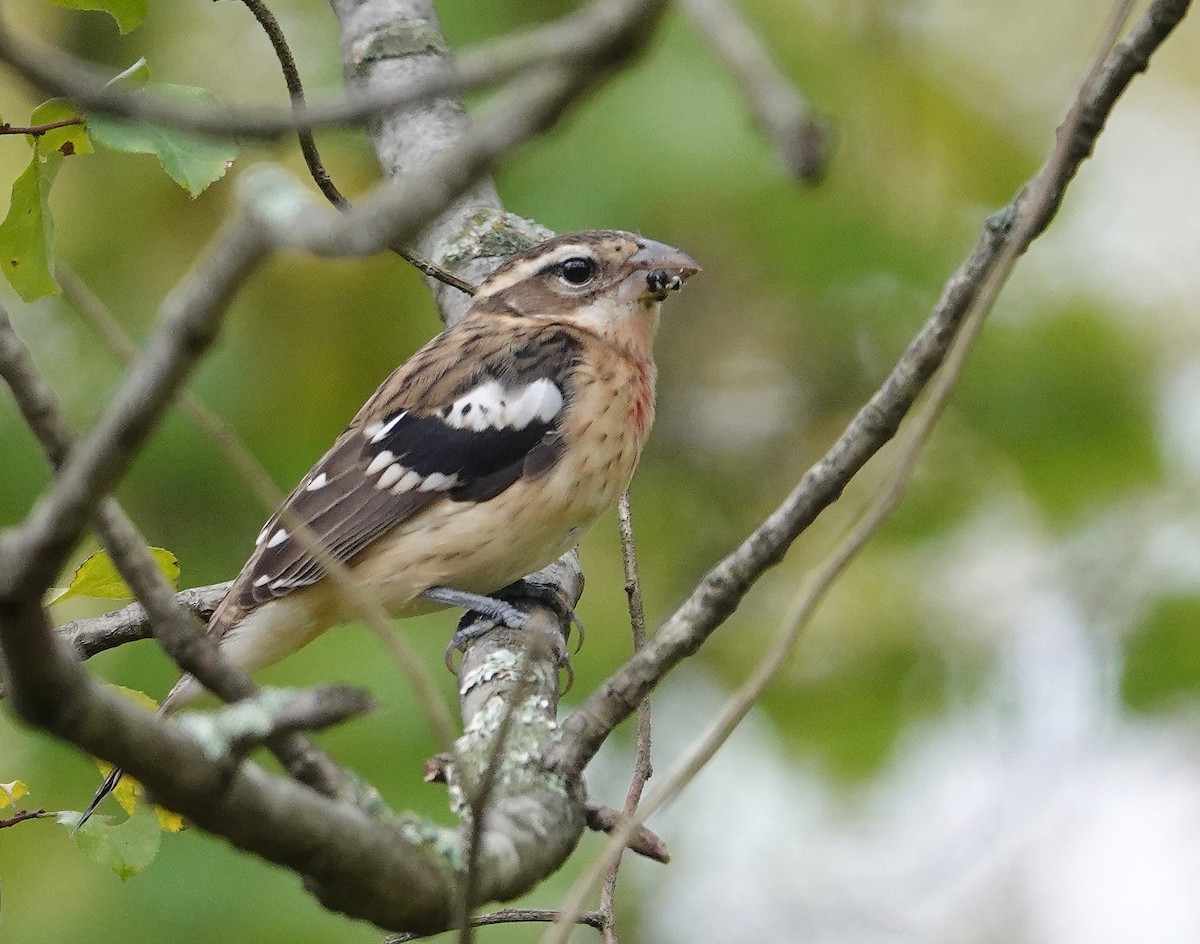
[481,459]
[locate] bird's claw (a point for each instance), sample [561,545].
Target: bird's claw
[549,595]
[485,613]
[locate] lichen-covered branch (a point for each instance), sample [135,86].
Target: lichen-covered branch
[351,860]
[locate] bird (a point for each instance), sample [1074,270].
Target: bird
[482,458]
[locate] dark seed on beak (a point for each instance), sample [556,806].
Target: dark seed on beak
[660,282]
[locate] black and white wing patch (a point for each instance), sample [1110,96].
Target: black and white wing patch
[383,472]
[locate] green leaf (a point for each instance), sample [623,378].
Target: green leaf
[126,848]
[27,233]
[73,139]
[98,577]
[128,13]
[191,161]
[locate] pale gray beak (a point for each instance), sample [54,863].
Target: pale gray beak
[665,266]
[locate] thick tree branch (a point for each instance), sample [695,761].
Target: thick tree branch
[720,592]
[352,862]
[132,623]
[597,25]
[175,627]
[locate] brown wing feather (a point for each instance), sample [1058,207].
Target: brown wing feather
[348,512]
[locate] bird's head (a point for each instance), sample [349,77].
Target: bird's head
[607,281]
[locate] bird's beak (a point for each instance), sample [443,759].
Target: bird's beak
[666,267]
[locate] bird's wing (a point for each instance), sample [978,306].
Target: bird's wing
[467,416]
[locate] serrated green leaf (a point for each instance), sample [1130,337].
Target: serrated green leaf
[126,848]
[98,577]
[11,792]
[191,161]
[72,139]
[128,13]
[27,232]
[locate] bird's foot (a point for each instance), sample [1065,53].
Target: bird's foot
[549,595]
[485,613]
[494,613]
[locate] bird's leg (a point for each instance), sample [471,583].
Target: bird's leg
[496,611]
[491,607]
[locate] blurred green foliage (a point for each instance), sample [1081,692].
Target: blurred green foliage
[1162,669]
[806,299]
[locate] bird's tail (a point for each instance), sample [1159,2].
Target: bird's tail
[114,776]
[107,787]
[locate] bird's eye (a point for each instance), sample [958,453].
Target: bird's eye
[577,270]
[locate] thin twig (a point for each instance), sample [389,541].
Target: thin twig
[36,131]
[800,138]
[720,592]
[22,816]
[308,145]
[643,841]
[642,768]
[132,623]
[591,919]
[1038,196]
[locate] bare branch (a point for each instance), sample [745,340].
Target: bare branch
[591,919]
[24,816]
[604,819]
[642,768]
[132,623]
[1037,197]
[1033,207]
[720,592]
[235,730]
[596,26]
[800,138]
[36,131]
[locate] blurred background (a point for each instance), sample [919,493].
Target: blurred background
[989,733]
